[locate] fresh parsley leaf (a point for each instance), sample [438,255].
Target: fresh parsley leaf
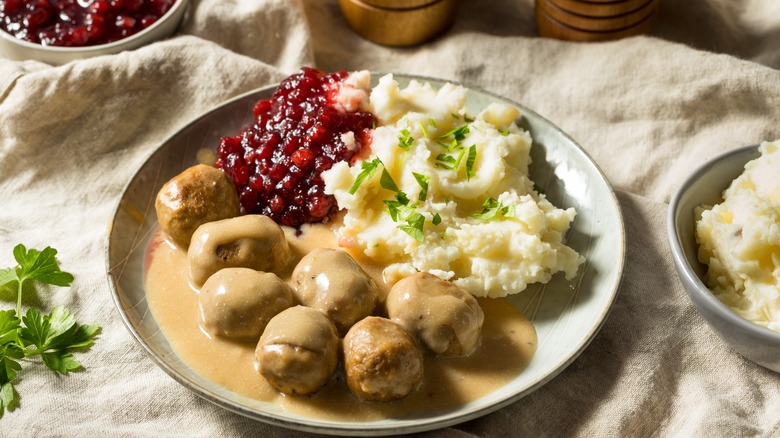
[422,180]
[432,123]
[436,220]
[7,396]
[393,209]
[7,276]
[367,170]
[459,133]
[58,332]
[425,132]
[386,181]
[60,361]
[10,353]
[40,265]
[402,198]
[445,161]
[34,265]
[492,208]
[503,132]
[9,324]
[36,329]
[414,227]
[405,140]
[470,162]
[449,162]
[399,210]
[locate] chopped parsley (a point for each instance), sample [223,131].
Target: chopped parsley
[367,170]
[492,208]
[386,181]
[470,162]
[414,226]
[422,180]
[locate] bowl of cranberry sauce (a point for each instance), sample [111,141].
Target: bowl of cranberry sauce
[306,127]
[59,31]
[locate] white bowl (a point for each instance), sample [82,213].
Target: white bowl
[20,50]
[566,314]
[705,186]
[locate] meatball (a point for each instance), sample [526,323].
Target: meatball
[382,360]
[251,241]
[198,195]
[331,281]
[298,351]
[237,303]
[443,317]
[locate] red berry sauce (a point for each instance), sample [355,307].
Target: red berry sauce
[76,23]
[277,162]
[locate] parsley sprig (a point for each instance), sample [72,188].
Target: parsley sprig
[53,337]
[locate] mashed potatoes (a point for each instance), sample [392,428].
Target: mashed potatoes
[450,195]
[740,241]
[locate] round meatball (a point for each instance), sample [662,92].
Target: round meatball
[198,195]
[251,241]
[237,303]
[443,317]
[298,351]
[331,281]
[382,360]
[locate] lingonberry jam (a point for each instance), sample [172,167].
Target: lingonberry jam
[75,23]
[277,162]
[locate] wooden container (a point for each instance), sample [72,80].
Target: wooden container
[593,9]
[598,23]
[398,22]
[555,22]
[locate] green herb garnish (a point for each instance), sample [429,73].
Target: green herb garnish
[414,226]
[367,170]
[425,132]
[422,180]
[386,181]
[470,162]
[53,336]
[459,133]
[492,208]
[405,140]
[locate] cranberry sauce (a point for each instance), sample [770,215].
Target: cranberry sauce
[277,161]
[74,23]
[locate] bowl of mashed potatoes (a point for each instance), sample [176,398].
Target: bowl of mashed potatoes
[723,226]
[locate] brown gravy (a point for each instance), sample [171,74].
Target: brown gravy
[507,344]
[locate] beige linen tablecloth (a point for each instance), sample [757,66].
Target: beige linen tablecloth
[648,110]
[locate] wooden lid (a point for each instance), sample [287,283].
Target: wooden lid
[551,28]
[591,9]
[398,27]
[598,24]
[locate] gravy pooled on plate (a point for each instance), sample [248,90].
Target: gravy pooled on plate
[507,343]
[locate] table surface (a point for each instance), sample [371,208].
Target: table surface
[648,109]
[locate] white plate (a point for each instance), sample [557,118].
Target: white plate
[566,314]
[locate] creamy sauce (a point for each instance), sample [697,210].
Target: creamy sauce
[507,344]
